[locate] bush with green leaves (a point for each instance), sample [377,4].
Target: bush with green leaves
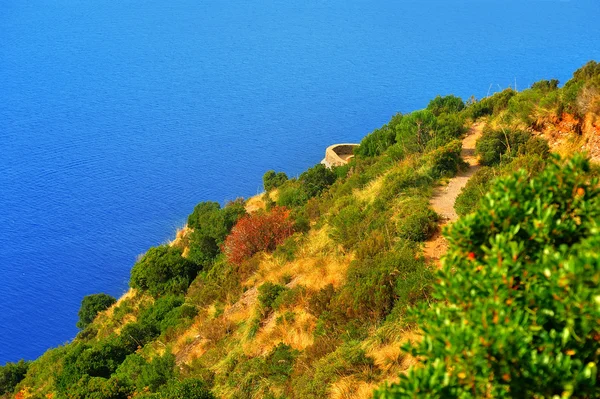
[211,224]
[91,305]
[162,270]
[11,374]
[503,144]
[272,180]
[379,140]
[190,388]
[518,313]
[445,105]
[317,179]
[415,130]
[268,294]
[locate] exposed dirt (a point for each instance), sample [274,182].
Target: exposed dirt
[444,197]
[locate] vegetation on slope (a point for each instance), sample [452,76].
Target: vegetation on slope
[306,292]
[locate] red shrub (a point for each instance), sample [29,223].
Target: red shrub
[258,232]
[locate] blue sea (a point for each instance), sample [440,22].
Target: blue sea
[117,117]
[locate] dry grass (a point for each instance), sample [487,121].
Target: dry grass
[297,333]
[352,388]
[369,193]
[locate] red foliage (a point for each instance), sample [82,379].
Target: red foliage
[258,232]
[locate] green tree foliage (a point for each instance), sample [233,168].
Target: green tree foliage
[545,85]
[11,374]
[211,224]
[317,179]
[91,305]
[415,130]
[163,270]
[191,388]
[273,180]
[376,142]
[518,314]
[492,105]
[445,105]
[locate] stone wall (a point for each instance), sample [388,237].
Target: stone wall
[338,154]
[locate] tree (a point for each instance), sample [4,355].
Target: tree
[317,179]
[415,130]
[11,374]
[91,305]
[273,180]
[517,312]
[163,270]
[446,105]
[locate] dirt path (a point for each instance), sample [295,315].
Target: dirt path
[444,197]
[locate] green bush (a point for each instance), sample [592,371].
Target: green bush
[378,141]
[416,221]
[163,270]
[317,179]
[292,196]
[11,374]
[268,294]
[415,130]
[445,105]
[518,313]
[190,388]
[273,180]
[496,145]
[91,305]
[445,161]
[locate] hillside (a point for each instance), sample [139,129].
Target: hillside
[334,284]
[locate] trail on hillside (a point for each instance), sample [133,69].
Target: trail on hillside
[444,197]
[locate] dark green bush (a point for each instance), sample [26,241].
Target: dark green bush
[445,161]
[545,85]
[316,179]
[91,305]
[163,270]
[518,294]
[496,145]
[190,388]
[416,221]
[415,130]
[11,374]
[268,294]
[273,180]
[378,141]
[445,105]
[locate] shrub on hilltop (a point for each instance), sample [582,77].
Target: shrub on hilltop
[517,312]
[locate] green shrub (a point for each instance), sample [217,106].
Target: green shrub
[545,85]
[518,294]
[496,145]
[445,105]
[445,161]
[91,305]
[317,179]
[11,374]
[416,221]
[415,130]
[347,226]
[190,388]
[292,195]
[268,294]
[378,141]
[273,180]
[163,270]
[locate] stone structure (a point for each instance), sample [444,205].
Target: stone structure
[338,154]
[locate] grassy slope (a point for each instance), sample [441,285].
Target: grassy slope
[230,341]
